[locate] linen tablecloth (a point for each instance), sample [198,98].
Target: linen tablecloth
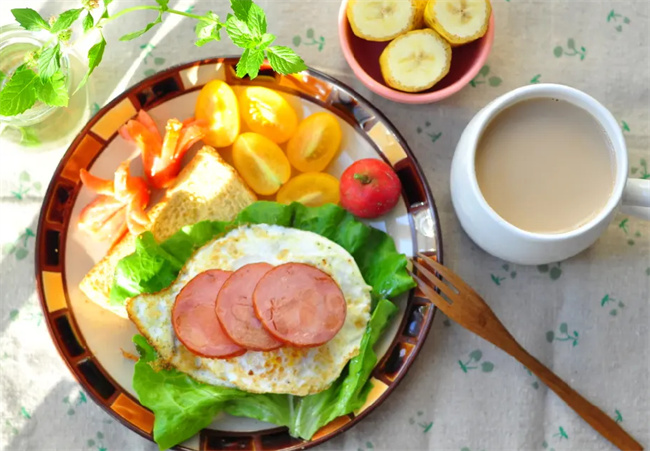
[587,318]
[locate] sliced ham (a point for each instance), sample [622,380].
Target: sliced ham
[299,304]
[195,321]
[236,313]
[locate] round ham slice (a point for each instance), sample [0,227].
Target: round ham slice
[300,304]
[236,313]
[195,321]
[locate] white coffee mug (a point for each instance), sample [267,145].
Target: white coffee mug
[502,239]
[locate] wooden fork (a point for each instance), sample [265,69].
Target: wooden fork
[461,303]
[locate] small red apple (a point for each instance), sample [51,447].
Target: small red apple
[369,188]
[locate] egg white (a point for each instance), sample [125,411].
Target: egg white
[286,370]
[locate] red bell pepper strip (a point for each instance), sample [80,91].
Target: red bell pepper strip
[161,157]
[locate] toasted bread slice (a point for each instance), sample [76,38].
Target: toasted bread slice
[207,188]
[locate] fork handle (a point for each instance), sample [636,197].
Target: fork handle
[598,419]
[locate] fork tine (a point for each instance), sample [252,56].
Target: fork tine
[451,277]
[433,264]
[426,258]
[433,295]
[433,280]
[448,275]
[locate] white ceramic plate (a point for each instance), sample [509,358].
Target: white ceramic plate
[91,339]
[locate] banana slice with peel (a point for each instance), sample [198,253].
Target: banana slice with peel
[383,20]
[415,61]
[458,21]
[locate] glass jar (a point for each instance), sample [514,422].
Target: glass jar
[41,126]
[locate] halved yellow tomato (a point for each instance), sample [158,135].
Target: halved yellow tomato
[217,104]
[311,188]
[266,112]
[260,162]
[315,143]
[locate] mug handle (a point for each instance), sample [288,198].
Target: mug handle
[637,195]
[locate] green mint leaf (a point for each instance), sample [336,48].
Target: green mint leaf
[284,60]
[256,20]
[49,61]
[239,32]
[65,20]
[242,70]
[19,93]
[163,4]
[88,22]
[30,19]
[105,13]
[95,55]
[255,61]
[53,90]
[266,40]
[207,29]
[250,14]
[136,34]
[250,63]
[240,8]
[2,77]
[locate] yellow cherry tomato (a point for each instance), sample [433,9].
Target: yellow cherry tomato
[315,143]
[311,189]
[260,162]
[266,112]
[217,104]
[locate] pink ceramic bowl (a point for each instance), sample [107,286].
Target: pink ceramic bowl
[363,58]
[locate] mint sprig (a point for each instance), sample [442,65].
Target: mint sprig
[42,78]
[246,27]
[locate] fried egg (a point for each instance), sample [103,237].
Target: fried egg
[296,371]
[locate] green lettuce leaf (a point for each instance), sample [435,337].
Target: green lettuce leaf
[136,274]
[183,406]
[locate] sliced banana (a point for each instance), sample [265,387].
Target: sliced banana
[458,21]
[383,20]
[415,61]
